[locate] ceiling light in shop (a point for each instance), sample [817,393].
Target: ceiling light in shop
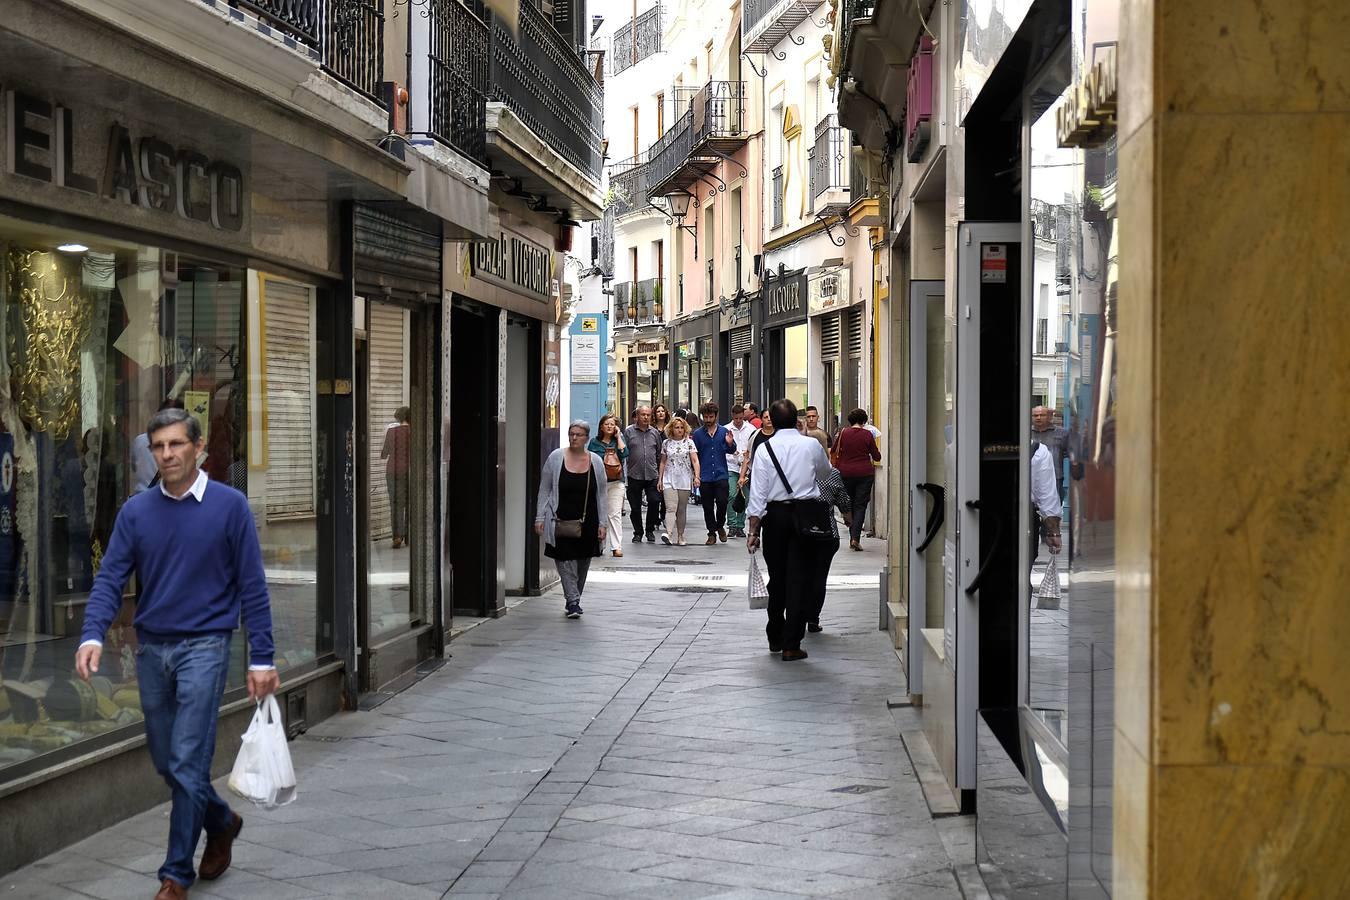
[72,248]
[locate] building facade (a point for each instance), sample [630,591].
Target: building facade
[1040,162]
[285,246]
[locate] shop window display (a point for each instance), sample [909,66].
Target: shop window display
[97,335]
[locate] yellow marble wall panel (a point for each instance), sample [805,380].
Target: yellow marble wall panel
[1134,62]
[1250,832]
[1135,413]
[1130,861]
[1252,444]
[1256,56]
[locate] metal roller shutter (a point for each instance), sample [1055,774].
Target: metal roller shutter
[829,337]
[289,342]
[387,333]
[741,341]
[855,333]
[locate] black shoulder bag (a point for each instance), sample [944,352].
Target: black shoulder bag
[810,517]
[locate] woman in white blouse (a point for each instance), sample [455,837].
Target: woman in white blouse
[677,476]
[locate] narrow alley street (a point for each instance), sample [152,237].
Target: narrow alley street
[652,748]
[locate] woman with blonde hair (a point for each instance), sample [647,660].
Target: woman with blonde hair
[677,477]
[608,444]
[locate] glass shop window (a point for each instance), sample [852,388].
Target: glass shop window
[98,335]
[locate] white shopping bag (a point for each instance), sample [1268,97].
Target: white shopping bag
[263,772]
[759,594]
[1048,594]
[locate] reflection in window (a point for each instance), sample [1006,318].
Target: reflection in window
[98,335]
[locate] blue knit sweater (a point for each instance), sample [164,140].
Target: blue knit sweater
[199,566]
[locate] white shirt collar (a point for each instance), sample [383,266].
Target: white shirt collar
[197,490]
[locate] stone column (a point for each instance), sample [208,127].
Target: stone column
[1232,750]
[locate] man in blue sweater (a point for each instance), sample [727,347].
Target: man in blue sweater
[194,548]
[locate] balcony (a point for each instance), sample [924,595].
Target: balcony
[919,102]
[628,184]
[875,43]
[458,58]
[348,36]
[635,40]
[638,303]
[625,304]
[827,166]
[764,23]
[545,115]
[603,255]
[710,125]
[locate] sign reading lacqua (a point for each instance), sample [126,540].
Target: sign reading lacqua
[516,263]
[46,142]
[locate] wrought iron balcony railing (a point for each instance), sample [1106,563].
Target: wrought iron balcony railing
[776,185]
[353,43]
[625,303]
[635,40]
[543,79]
[859,182]
[650,309]
[826,160]
[710,118]
[851,11]
[628,184]
[603,257]
[458,58]
[349,35]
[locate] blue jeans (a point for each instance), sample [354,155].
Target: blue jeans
[181,684]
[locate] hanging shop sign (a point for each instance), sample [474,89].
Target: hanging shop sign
[784,297]
[142,171]
[515,263]
[1087,118]
[828,291]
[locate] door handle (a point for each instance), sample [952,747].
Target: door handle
[937,516]
[989,558]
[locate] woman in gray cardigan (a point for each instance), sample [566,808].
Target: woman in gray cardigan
[572,487]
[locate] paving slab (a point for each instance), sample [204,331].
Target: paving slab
[651,749]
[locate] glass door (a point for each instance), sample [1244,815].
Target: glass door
[927,496]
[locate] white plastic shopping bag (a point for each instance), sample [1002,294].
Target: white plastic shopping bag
[263,772]
[759,594]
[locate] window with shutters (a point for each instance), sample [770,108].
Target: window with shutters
[855,332]
[829,337]
[288,322]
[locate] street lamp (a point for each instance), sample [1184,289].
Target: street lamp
[678,203]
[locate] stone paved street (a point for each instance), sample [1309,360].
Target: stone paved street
[652,749]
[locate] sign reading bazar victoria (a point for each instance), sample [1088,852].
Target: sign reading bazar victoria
[43,143]
[515,263]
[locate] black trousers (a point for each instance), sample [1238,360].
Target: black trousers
[860,495]
[714,494]
[637,489]
[798,569]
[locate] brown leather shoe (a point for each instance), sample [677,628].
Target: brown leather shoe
[171,890]
[722,535]
[793,655]
[219,851]
[712,539]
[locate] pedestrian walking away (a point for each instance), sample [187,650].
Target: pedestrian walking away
[678,476]
[784,484]
[855,448]
[644,461]
[571,512]
[609,445]
[742,432]
[713,442]
[194,548]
